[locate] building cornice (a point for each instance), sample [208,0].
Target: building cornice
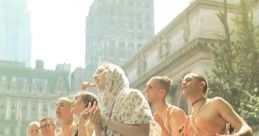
[198,45]
[174,23]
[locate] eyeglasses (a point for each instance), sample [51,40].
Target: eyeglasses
[45,126]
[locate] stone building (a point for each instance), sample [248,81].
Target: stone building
[182,47]
[28,94]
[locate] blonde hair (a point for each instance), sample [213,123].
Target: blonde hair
[49,119]
[68,101]
[164,82]
[31,124]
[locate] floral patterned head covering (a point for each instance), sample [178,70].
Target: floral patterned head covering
[120,103]
[115,83]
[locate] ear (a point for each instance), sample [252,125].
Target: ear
[202,85]
[162,92]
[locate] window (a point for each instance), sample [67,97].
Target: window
[122,45]
[131,45]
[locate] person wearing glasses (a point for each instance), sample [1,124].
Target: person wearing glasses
[65,116]
[33,129]
[123,111]
[209,116]
[48,126]
[81,106]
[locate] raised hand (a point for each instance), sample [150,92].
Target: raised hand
[85,114]
[159,120]
[95,116]
[85,85]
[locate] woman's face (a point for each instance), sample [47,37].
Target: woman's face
[78,105]
[99,78]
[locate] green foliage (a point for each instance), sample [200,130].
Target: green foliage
[235,76]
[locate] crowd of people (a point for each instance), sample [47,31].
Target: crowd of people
[118,110]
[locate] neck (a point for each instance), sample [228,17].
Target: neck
[50,134]
[161,106]
[65,124]
[194,97]
[198,100]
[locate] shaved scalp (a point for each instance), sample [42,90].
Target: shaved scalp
[164,82]
[199,78]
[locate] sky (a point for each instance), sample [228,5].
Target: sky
[58,28]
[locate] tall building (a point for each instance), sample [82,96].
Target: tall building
[115,29]
[28,94]
[15,32]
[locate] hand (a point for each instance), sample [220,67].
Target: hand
[180,130]
[159,120]
[95,116]
[85,85]
[85,114]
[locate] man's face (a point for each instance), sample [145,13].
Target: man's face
[63,110]
[189,84]
[152,91]
[47,128]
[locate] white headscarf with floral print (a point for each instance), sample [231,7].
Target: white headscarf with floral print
[115,83]
[117,87]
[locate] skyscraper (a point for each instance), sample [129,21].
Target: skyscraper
[115,29]
[15,32]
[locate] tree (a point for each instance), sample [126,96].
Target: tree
[235,76]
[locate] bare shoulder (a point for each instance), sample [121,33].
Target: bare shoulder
[218,103]
[217,100]
[176,111]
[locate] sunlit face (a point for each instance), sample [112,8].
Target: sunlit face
[78,105]
[152,91]
[99,78]
[63,108]
[47,128]
[189,84]
[34,130]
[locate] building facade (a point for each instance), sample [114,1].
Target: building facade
[28,94]
[115,29]
[182,47]
[15,31]
[77,77]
